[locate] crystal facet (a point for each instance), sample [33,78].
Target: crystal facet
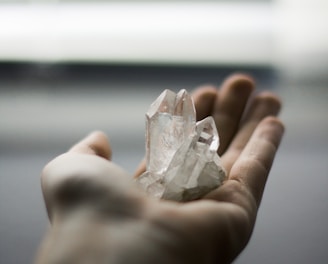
[182,163]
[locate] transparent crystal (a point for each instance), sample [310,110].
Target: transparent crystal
[182,163]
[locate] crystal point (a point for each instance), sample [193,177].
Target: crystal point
[181,155]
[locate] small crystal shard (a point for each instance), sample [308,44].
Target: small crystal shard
[182,163]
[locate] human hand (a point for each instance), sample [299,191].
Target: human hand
[99,216]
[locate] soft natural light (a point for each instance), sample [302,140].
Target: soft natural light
[209,33]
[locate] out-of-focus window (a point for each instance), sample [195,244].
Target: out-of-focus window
[186,32]
[259,32]
[130,1]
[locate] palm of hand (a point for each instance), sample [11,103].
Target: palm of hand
[114,222]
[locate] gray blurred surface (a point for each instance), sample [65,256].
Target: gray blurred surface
[41,117]
[291,225]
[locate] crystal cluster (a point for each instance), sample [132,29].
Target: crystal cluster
[182,163]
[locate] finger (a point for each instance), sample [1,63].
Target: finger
[204,98]
[140,169]
[253,165]
[249,173]
[229,107]
[263,105]
[95,143]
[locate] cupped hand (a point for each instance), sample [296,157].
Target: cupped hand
[98,216]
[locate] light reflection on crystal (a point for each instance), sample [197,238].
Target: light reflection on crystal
[181,159]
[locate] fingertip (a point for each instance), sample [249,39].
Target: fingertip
[98,134]
[271,128]
[275,122]
[99,144]
[271,100]
[205,90]
[270,96]
[96,143]
[140,169]
[239,81]
[204,98]
[241,76]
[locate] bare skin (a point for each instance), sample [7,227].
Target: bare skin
[97,215]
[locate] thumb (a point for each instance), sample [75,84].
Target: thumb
[95,143]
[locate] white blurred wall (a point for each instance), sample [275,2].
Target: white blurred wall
[301,39]
[182,32]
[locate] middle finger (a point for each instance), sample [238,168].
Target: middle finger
[229,107]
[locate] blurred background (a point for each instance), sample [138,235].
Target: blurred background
[70,67]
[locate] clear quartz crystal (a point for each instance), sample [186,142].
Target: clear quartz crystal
[182,163]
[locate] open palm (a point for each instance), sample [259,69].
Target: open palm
[98,216]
